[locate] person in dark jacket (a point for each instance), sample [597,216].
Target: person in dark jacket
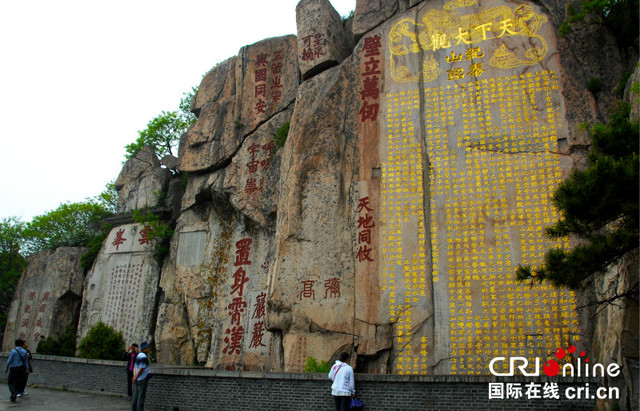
[17,366]
[23,385]
[130,357]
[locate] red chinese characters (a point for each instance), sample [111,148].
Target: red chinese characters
[267,85]
[259,307]
[370,79]
[365,226]
[331,289]
[119,240]
[257,336]
[313,47]
[34,313]
[260,163]
[144,235]
[235,334]
[307,289]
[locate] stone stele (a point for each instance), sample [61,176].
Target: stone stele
[47,298]
[121,288]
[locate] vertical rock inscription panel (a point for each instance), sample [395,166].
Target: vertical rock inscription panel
[121,288]
[473,115]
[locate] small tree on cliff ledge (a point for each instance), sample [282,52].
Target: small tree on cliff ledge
[102,343]
[164,131]
[599,207]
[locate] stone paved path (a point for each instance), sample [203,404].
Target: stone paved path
[42,399]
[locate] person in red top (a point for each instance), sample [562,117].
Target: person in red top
[130,357]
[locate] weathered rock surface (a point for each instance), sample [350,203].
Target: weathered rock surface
[632,96]
[261,83]
[415,177]
[121,288]
[141,181]
[47,298]
[371,13]
[213,292]
[322,38]
[312,295]
[616,333]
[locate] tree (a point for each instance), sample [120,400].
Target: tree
[165,130]
[70,225]
[12,262]
[102,342]
[599,207]
[64,345]
[108,198]
[619,16]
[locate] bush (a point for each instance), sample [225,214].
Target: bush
[102,343]
[313,366]
[94,244]
[594,85]
[64,346]
[280,136]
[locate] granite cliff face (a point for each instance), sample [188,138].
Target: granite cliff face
[424,142]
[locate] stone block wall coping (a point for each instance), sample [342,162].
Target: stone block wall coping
[165,369]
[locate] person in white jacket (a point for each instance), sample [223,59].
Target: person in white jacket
[343,387]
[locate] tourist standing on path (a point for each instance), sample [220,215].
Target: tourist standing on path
[23,386]
[130,357]
[17,366]
[343,387]
[141,377]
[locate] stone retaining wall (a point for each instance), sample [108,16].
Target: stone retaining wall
[192,388]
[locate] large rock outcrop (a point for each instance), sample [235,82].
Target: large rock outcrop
[121,288]
[423,148]
[141,182]
[47,298]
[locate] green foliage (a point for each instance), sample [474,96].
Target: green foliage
[95,244]
[109,201]
[312,365]
[347,17]
[623,83]
[164,131]
[12,262]
[599,206]
[67,226]
[594,85]
[103,343]
[280,136]
[619,16]
[185,180]
[64,345]
[108,198]
[161,197]
[159,233]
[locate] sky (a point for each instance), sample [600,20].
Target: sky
[79,79]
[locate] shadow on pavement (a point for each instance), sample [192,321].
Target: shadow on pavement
[58,400]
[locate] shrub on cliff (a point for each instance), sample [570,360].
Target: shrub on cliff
[165,130]
[312,365]
[102,343]
[64,345]
[599,206]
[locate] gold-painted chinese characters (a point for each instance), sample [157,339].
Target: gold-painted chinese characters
[440,30]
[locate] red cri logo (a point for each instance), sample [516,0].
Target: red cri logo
[551,368]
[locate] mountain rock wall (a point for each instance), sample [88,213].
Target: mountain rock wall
[48,297]
[425,140]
